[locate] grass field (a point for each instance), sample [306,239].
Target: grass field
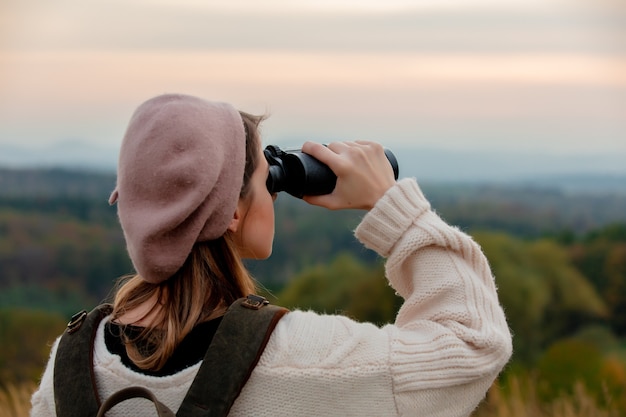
[15,400]
[520,400]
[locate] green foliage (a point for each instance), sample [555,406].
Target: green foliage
[526,211]
[599,336]
[615,232]
[55,182]
[61,208]
[26,340]
[571,361]
[62,299]
[49,252]
[601,256]
[61,248]
[561,366]
[544,297]
[345,286]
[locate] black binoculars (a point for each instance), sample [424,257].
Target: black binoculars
[300,174]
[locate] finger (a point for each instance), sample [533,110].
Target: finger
[338,147]
[308,146]
[328,155]
[365,142]
[315,149]
[320,200]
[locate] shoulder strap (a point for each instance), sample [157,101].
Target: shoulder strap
[75,393]
[231,357]
[247,325]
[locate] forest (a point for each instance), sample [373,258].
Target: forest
[559,258]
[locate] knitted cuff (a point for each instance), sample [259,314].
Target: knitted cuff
[385,223]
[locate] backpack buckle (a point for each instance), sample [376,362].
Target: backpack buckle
[255,302]
[76,321]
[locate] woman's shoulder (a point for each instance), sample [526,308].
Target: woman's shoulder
[306,338]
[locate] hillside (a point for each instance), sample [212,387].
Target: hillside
[62,213]
[530,207]
[586,172]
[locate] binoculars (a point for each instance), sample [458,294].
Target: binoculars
[300,174]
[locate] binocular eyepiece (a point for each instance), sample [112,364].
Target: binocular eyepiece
[300,174]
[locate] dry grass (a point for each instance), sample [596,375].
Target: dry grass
[519,400]
[522,400]
[15,400]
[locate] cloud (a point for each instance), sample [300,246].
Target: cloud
[512,73]
[434,99]
[188,25]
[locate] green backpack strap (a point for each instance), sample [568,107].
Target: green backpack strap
[75,393]
[231,357]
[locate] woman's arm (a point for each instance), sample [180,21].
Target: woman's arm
[450,339]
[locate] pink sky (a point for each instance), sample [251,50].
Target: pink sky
[455,74]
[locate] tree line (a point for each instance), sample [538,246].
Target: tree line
[561,274]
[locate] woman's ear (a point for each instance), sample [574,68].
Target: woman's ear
[234,222]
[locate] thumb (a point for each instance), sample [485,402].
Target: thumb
[318,200]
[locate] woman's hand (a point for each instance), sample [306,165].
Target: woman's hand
[363,173]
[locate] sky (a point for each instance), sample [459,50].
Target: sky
[513,75]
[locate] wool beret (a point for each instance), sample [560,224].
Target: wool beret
[179,176]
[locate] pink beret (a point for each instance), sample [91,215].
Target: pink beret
[179,176]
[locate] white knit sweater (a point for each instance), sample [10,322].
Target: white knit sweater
[448,343]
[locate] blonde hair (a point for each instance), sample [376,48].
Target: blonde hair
[212,277]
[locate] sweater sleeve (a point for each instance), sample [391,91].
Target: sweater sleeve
[450,339]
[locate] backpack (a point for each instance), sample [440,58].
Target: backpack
[232,355]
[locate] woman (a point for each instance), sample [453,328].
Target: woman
[192,202]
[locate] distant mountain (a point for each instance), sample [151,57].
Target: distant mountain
[524,208]
[573,173]
[492,166]
[44,183]
[591,172]
[67,154]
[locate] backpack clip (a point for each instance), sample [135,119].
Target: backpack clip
[76,321]
[254,302]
